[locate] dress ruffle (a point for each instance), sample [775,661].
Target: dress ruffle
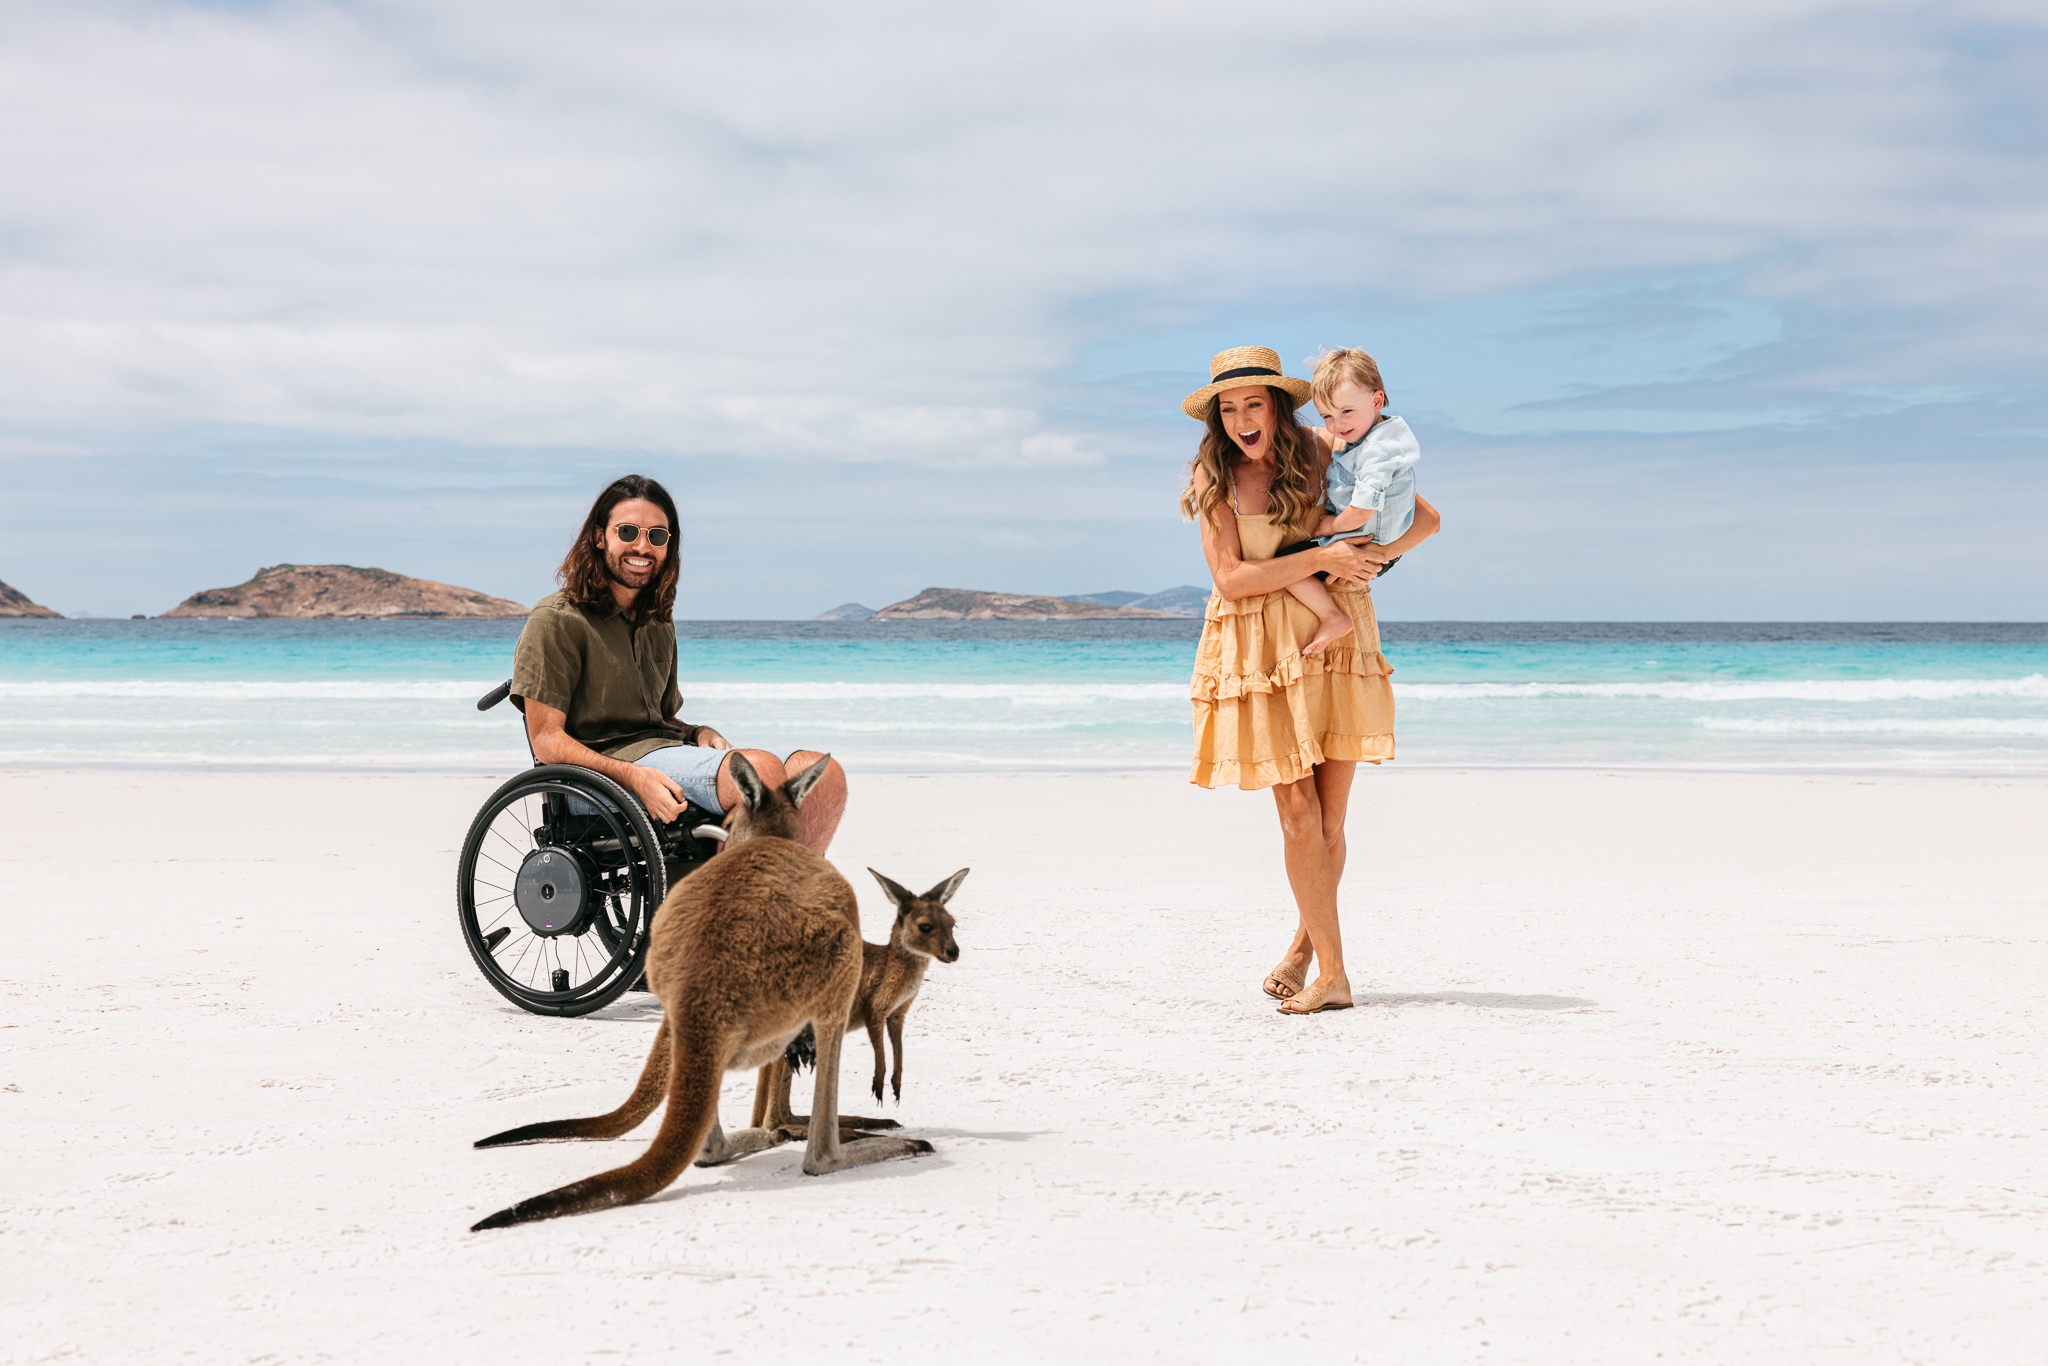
[1265,713]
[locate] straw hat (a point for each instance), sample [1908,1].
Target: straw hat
[1237,367]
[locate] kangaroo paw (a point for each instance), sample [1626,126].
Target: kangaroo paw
[742,1143]
[860,1152]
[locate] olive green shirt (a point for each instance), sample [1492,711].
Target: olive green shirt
[614,681]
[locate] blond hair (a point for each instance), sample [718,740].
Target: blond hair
[1344,363]
[1292,499]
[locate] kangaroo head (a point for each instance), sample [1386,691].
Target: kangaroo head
[768,811]
[923,924]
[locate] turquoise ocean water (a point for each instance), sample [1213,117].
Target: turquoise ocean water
[1932,698]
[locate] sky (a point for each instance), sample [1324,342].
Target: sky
[1700,312]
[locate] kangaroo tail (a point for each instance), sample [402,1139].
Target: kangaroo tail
[646,1095]
[692,1109]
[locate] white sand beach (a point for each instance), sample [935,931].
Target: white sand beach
[1650,1067]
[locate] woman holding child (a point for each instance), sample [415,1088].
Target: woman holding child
[1290,688]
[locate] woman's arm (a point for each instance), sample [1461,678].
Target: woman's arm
[1237,577]
[1426,524]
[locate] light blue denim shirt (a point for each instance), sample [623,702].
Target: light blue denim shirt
[1377,472]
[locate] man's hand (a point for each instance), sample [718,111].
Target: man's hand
[546,729]
[659,793]
[708,738]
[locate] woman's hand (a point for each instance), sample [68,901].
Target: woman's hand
[1354,563]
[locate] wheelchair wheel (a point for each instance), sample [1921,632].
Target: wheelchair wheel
[557,887]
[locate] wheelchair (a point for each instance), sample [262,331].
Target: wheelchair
[559,879]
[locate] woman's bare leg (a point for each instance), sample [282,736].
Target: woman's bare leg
[1333,622]
[1313,867]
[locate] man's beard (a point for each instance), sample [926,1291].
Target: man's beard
[617,575]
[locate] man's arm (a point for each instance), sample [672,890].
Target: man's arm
[702,736]
[546,728]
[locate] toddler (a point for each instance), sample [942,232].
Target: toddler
[1369,489]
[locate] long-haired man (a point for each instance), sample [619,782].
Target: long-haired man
[595,672]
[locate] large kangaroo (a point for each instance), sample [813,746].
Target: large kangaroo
[759,943]
[890,976]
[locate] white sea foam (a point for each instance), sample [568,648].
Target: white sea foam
[251,689]
[1879,725]
[1787,690]
[1035,694]
[440,690]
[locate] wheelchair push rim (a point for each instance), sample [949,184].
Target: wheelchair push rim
[559,879]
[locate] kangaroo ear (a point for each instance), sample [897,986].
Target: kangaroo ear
[895,891]
[797,788]
[753,791]
[944,891]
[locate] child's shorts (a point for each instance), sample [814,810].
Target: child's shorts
[1300,546]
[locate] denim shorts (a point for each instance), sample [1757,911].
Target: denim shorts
[696,769]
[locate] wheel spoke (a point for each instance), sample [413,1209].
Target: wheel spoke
[617,855]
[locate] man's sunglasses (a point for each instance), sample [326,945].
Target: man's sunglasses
[628,533]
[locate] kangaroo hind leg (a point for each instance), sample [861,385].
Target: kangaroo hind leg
[827,1150]
[764,1133]
[772,1108]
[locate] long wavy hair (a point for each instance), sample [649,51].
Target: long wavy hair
[582,576]
[1295,499]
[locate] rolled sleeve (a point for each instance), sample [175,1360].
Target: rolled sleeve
[1369,496]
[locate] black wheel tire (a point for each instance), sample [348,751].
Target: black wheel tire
[609,954]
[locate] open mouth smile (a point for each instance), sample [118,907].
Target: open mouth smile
[1249,439]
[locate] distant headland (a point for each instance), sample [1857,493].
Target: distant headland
[15,603]
[315,592]
[968,604]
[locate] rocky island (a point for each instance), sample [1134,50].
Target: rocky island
[967,604]
[312,592]
[15,603]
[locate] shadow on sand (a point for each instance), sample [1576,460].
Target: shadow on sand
[1489,1000]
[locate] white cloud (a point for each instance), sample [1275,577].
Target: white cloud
[487,221]
[892,234]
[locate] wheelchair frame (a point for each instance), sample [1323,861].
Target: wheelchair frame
[559,879]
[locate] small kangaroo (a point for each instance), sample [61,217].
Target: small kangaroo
[745,953]
[890,976]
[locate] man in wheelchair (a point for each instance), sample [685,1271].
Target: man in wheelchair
[595,673]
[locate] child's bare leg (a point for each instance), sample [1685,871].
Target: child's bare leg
[1335,623]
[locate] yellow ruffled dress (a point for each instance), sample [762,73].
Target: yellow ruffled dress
[1264,712]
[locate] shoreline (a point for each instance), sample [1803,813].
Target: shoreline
[1844,771]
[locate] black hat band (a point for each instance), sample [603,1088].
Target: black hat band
[1245,373]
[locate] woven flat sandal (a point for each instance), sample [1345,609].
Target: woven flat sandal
[1311,999]
[1287,975]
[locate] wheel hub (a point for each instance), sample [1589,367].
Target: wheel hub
[552,891]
